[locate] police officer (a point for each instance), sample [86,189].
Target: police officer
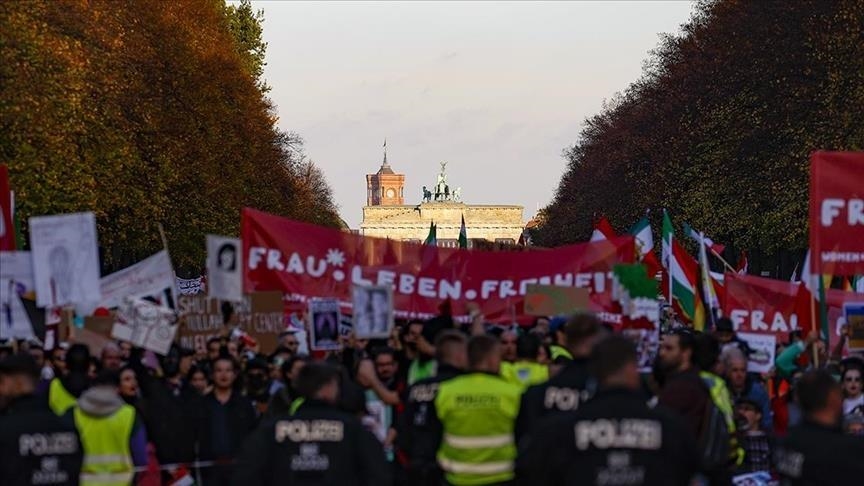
[816,451]
[419,430]
[477,411]
[317,445]
[570,387]
[614,438]
[36,446]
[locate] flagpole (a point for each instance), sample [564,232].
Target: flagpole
[725,263]
[669,268]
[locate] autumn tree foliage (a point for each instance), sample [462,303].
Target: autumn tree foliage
[144,112]
[720,127]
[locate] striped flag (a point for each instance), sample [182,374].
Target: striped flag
[715,247]
[683,275]
[463,234]
[743,266]
[641,231]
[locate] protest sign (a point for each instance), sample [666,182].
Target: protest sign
[65,259]
[372,311]
[306,261]
[647,343]
[7,226]
[151,277]
[324,320]
[551,300]
[260,315]
[224,268]
[837,212]
[854,316]
[146,325]
[16,280]
[762,347]
[763,305]
[190,286]
[96,333]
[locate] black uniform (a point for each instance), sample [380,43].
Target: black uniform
[318,445]
[614,439]
[562,393]
[37,446]
[420,430]
[813,454]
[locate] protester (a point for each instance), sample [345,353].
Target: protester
[198,381]
[257,384]
[615,438]
[318,445]
[508,346]
[128,389]
[526,370]
[64,390]
[853,393]
[753,439]
[112,357]
[724,332]
[280,402]
[743,385]
[36,446]
[817,452]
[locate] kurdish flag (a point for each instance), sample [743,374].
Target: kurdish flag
[432,238]
[463,234]
[683,275]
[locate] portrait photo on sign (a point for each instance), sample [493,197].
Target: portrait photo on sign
[373,311]
[324,324]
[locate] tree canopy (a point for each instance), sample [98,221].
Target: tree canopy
[720,127]
[145,113]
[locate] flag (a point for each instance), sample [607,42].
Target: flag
[432,239]
[683,271]
[847,285]
[794,277]
[602,230]
[7,225]
[642,233]
[743,266]
[708,291]
[715,247]
[812,281]
[463,234]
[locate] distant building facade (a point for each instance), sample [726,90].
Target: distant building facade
[387,216]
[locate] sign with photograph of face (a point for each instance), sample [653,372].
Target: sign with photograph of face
[373,311]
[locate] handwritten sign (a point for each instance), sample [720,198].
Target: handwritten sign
[551,300]
[259,314]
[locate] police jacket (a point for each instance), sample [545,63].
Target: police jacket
[562,393]
[813,454]
[419,429]
[613,439]
[318,445]
[37,446]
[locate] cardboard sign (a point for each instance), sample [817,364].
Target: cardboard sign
[551,300]
[372,311]
[146,325]
[65,259]
[837,212]
[763,347]
[16,280]
[224,268]
[260,315]
[324,324]
[854,314]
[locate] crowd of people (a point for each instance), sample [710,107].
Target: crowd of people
[560,402]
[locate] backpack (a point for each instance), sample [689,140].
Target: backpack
[717,440]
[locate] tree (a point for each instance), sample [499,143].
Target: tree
[247,29]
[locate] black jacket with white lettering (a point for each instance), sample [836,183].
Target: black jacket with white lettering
[563,393]
[37,446]
[420,430]
[614,438]
[813,454]
[318,445]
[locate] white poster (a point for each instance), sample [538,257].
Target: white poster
[762,349]
[373,311]
[224,268]
[65,259]
[149,277]
[16,279]
[647,344]
[190,286]
[324,324]
[146,325]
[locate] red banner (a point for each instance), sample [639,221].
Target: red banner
[7,229]
[762,305]
[306,261]
[837,212]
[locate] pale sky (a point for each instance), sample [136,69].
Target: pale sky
[497,90]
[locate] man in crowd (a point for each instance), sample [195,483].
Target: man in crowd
[613,437]
[742,385]
[752,437]
[112,357]
[36,446]
[683,391]
[64,390]
[526,371]
[317,445]
[508,346]
[567,389]
[477,411]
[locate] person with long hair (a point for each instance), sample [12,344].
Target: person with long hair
[853,391]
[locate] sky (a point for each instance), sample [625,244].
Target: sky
[498,90]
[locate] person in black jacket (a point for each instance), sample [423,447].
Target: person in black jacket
[816,451]
[419,429]
[317,445]
[614,438]
[36,446]
[570,387]
[228,419]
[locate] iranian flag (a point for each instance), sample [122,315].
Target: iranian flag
[641,231]
[717,248]
[463,234]
[683,277]
[432,238]
[602,230]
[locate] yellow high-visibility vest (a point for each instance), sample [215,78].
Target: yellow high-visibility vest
[107,457]
[59,399]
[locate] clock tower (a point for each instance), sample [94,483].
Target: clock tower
[385,187]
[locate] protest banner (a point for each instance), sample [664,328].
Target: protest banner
[151,277]
[16,280]
[551,300]
[65,259]
[324,322]
[146,325]
[763,347]
[7,225]
[763,305]
[224,268]
[372,311]
[854,317]
[260,315]
[190,286]
[837,212]
[306,261]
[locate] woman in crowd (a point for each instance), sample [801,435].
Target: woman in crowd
[853,393]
